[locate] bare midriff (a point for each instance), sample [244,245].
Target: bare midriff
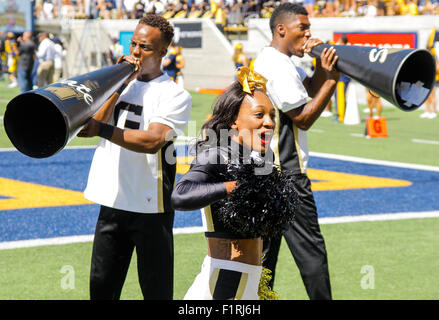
[241,250]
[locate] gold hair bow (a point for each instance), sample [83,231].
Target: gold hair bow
[251,80]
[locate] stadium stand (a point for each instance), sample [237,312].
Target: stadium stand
[237,11]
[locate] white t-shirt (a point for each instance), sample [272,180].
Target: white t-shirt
[60,53]
[46,50]
[285,89]
[128,180]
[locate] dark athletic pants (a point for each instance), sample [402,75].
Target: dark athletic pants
[306,244]
[117,233]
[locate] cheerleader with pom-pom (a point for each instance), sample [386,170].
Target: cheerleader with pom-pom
[241,193]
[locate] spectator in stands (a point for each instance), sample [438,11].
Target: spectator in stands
[429,6]
[332,8]
[182,11]
[119,10]
[235,16]
[67,10]
[408,8]
[382,9]
[349,8]
[26,49]
[79,8]
[196,11]
[309,6]
[94,9]
[220,17]
[371,9]
[48,10]
[38,8]
[107,7]
[139,9]
[267,9]
[252,9]
[129,8]
[159,8]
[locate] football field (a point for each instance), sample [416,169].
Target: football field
[377,203]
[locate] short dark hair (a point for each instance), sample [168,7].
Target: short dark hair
[286,8]
[161,23]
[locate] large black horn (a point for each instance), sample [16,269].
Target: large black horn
[404,77]
[41,122]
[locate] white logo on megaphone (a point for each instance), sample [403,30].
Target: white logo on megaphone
[374,55]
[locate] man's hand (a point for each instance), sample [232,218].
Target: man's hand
[133,60]
[328,59]
[311,43]
[91,129]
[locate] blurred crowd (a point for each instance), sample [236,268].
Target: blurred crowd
[31,61]
[233,12]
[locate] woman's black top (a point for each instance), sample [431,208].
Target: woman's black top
[202,186]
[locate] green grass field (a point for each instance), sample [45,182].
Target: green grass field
[402,254]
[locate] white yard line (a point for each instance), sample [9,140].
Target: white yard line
[73,239]
[329,220]
[425,141]
[377,162]
[380,217]
[357,135]
[189,230]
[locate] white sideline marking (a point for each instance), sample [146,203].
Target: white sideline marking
[377,162]
[317,130]
[380,217]
[425,141]
[358,135]
[189,230]
[328,220]
[73,239]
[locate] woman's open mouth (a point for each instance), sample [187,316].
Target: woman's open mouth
[265,136]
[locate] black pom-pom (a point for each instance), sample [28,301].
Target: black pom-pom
[261,204]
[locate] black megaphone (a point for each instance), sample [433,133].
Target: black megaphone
[41,122]
[404,77]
